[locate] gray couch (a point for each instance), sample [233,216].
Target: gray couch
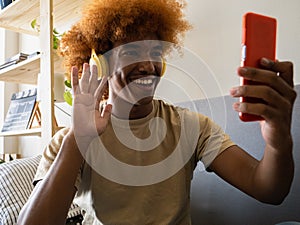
[214,202]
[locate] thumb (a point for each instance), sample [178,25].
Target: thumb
[107,112]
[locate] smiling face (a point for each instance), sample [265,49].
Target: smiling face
[135,70]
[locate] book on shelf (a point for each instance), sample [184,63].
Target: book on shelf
[14,60]
[33,55]
[5,3]
[8,64]
[19,56]
[22,112]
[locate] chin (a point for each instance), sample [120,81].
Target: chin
[144,101]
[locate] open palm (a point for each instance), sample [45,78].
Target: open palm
[88,119]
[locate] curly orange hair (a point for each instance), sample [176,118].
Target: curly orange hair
[105,21]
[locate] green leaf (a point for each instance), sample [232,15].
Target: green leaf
[68,97]
[33,23]
[68,83]
[55,42]
[55,32]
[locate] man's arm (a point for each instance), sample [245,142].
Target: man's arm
[269,179]
[52,196]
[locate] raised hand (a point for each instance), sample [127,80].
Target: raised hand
[88,119]
[279,95]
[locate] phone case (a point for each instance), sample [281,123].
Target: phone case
[258,40]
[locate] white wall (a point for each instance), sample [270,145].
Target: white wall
[216,39]
[7,38]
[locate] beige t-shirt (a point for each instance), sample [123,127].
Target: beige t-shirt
[140,171]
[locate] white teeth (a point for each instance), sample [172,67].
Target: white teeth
[143,81]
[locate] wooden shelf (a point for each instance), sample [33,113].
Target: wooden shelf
[18,15]
[27,132]
[26,72]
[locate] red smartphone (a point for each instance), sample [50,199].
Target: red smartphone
[258,40]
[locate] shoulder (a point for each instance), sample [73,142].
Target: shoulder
[61,133]
[53,147]
[49,154]
[59,136]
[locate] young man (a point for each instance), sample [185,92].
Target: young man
[131,161]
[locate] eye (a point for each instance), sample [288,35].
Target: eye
[130,53]
[156,54]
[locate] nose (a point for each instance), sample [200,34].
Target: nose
[146,67]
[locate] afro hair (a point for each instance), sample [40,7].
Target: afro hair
[104,22]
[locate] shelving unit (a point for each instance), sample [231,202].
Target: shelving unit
[17,17]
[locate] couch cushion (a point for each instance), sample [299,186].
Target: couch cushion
[15,187]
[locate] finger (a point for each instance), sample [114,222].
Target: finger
[100,90]
[269,78]
[74,80]
[93,79]
[285,69]
[265,111]
[84,81]
[269,95]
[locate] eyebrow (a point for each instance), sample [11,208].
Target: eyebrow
[136,46]
[131,46]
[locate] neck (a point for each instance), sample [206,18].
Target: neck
[125,110]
